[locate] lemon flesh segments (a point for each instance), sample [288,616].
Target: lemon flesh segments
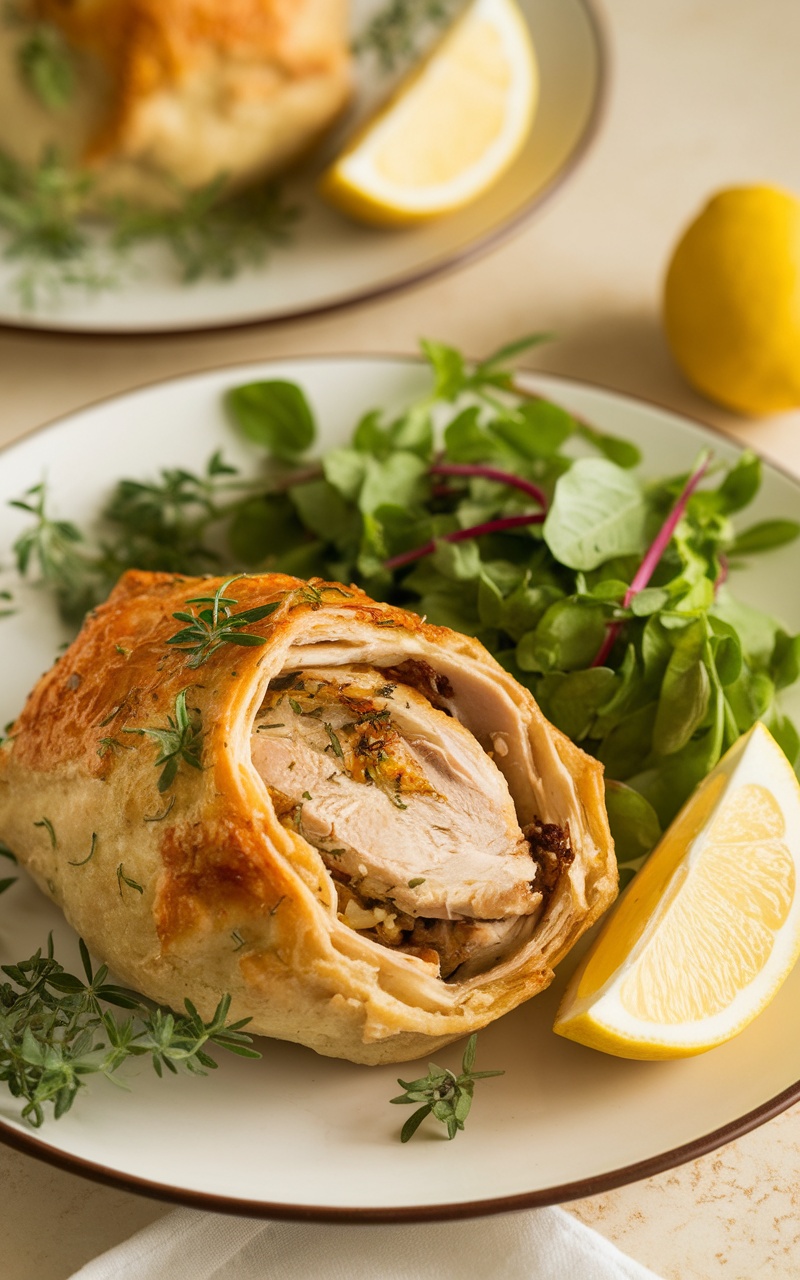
[445,137]
[652,985]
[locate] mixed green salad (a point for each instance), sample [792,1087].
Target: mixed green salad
[496,512]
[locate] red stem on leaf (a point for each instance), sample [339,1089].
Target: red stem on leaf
[491,473]
[462,535]
[652,557]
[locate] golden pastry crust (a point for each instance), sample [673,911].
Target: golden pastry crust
[228,897]
[189,90]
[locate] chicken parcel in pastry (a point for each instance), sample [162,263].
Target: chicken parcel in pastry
[187,90]
[357,824]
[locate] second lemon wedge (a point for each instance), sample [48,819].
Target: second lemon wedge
[450,130]
[709,928]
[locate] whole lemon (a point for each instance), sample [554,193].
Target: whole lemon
[732,300]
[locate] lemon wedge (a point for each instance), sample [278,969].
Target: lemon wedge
[450,130]
[709,928]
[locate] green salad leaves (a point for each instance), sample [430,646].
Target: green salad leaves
[491,510]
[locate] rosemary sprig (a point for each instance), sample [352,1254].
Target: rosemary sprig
[56,1029]
[181,740]
[215,625]
[443,1094]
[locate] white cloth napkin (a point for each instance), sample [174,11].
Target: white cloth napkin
[537,1244]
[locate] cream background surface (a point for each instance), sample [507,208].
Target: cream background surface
[703,94]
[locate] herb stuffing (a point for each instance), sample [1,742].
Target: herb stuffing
[491,510]
[488,509]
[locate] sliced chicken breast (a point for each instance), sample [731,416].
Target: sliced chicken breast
[411,815]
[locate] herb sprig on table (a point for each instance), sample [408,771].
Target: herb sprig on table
[494,511]
[56,1029]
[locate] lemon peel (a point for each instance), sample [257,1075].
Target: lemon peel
[732,300]
[709,928]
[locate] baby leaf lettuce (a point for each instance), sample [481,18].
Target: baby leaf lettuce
[493,511]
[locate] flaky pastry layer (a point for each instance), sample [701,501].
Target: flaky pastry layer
[209,885]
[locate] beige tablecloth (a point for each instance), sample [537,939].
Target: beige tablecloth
[704,94]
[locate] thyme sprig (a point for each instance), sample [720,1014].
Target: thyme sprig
[418,509]
[208,234]
[56,1029]
[181,740]
[43,211]
[53,550]
[57,225]
[44,62]
[443,1094]
[215,625]
[395,34]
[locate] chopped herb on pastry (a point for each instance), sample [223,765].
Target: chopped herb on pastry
[183,89]
[357,824]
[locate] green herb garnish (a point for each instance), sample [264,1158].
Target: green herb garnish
[123,879]
[46,67]
[443,1094]
[159,817]
[215,626]
[514,521]
[41,214]
[5,852]
[90,855]
[47,824]
[56,1029]
[209,233]
[182,740]
[394,34]
[65,236]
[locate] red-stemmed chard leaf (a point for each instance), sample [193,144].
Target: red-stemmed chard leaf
[461,535]
[653,556]
[488,526]
[491,473]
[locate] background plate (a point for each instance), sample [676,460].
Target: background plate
[331,261]
[296,1135]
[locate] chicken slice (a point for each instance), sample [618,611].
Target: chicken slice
[404,805]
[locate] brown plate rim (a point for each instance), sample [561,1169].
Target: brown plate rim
[449,263]
[595,1184]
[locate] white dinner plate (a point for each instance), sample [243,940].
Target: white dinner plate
[299,1135]
[330,261]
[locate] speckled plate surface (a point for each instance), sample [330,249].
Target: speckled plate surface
[296,1135]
